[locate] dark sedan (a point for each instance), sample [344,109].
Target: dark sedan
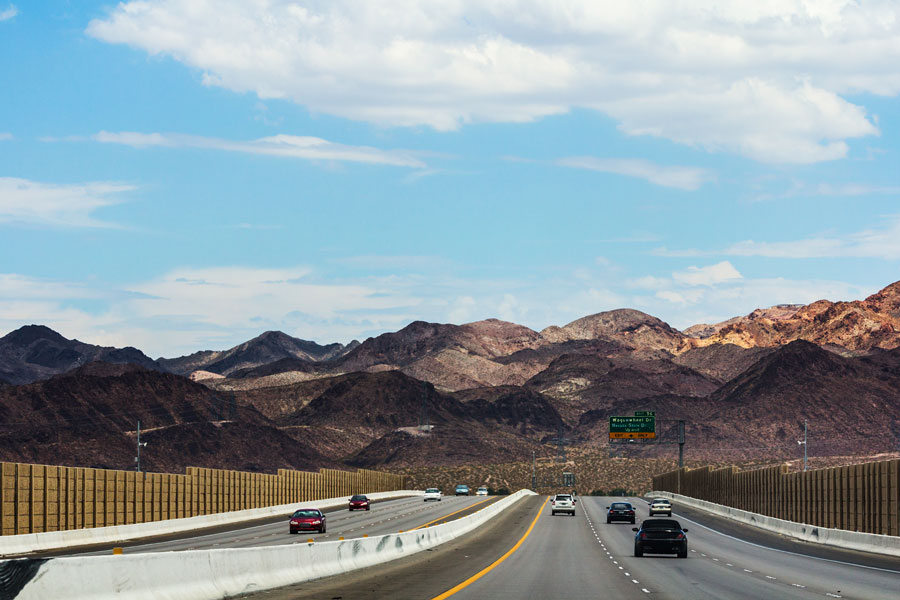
[660,536]
[359,502]
[620,511]
[307,519]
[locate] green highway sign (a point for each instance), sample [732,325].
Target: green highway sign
[645,413]
[637,427]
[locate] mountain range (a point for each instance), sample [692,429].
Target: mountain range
[451,394]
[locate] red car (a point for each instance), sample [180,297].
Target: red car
[308,519]
[359,502]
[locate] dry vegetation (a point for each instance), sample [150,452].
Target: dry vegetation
[592,471]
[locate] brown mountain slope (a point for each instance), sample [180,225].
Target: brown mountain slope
[266,348]
[627,326]
[35,352]
[856,327]
[89,417]
[721,362]
[579,382]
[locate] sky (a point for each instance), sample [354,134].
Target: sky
[180,175]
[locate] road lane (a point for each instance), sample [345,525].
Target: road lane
[724,566]
[580,557]
[562,558]
[388,516]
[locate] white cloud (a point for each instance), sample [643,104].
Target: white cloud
[27,202]
[291,146]
[761,79]
[684,178]
[711,275]
[190,309]
[8,13]
[881,242]
[5,136]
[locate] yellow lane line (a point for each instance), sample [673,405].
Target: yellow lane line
[450,515]
[493,565]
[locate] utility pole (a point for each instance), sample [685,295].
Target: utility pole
[137,459]
[680,444]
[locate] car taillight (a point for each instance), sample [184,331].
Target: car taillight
[643,536]
[630,512]
[680,536]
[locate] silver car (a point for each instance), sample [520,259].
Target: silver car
[661,506]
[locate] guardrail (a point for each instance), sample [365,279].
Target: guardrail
[214,574]
[853,540]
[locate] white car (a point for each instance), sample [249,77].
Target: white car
[562,503]
[433,494]
[482,491]
[661,506]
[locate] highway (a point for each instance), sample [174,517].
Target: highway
[526,553]
[388,516]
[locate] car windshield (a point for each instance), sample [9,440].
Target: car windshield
[620,506]
[462,487]
[432,491]
[660,524]
[306,514]
[358,499]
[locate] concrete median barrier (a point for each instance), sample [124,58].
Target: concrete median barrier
[852,540]
[18,545]
[212,574]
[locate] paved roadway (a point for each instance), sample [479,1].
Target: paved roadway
[389,516]
[584,557]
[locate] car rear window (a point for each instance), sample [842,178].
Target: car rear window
[660,501]
[660,524]
[563,497]
[620,506]
[301,514]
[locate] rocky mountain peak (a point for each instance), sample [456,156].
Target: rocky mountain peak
[24,336]
[886,301]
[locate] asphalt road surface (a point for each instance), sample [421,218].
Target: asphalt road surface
[584,557]
[389,516]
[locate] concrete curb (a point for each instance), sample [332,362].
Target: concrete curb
[16,545]
[841,538]
[214,574]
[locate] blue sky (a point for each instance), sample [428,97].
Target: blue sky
[181,176]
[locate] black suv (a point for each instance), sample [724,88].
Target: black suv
[620,511]
[660,536]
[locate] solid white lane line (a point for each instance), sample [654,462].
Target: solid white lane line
[831,560]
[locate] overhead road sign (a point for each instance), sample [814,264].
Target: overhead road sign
[631,428]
